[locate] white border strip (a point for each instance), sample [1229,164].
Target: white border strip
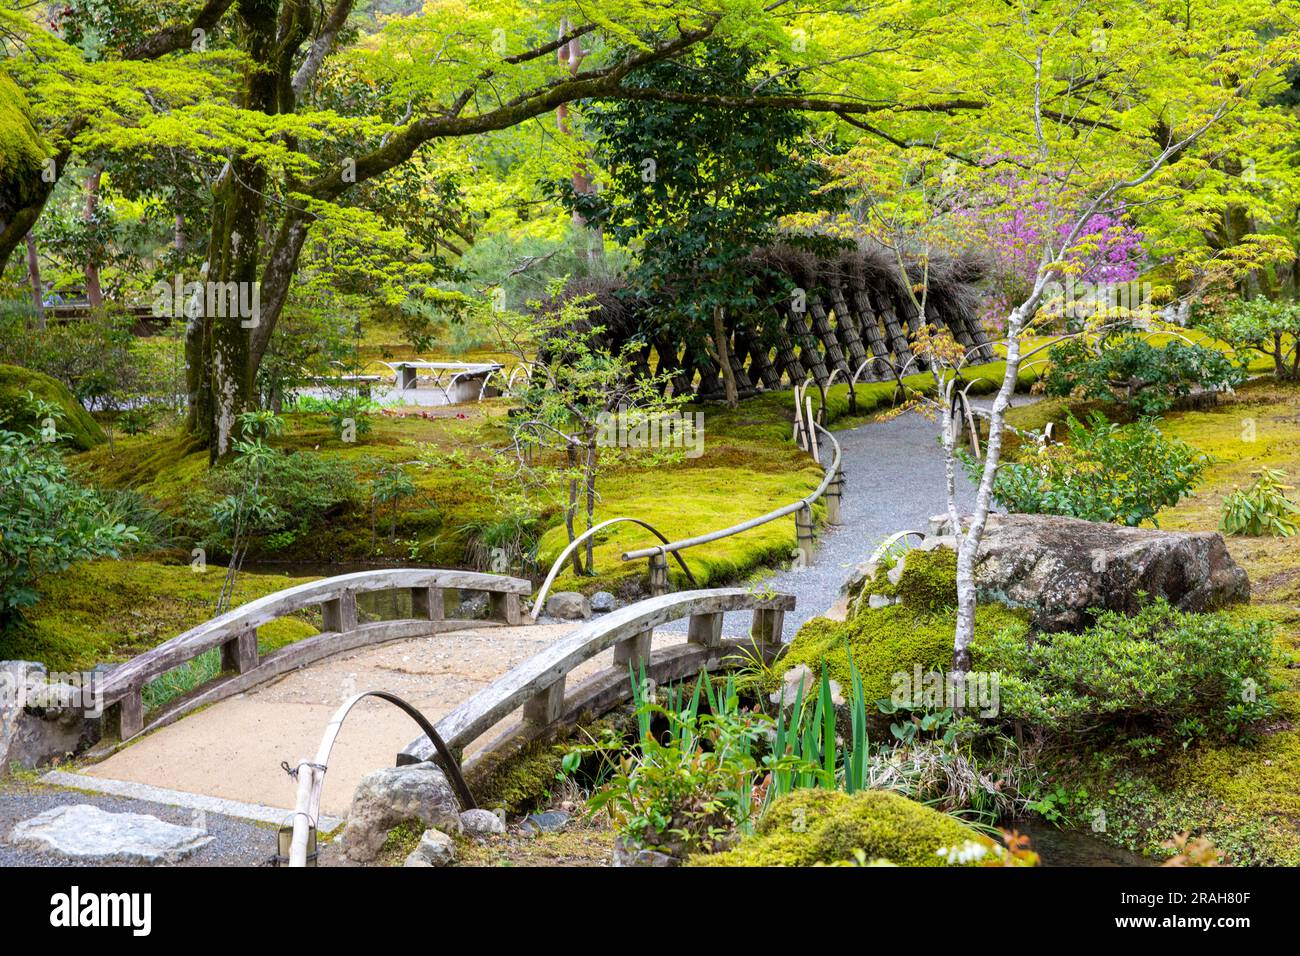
[180,798]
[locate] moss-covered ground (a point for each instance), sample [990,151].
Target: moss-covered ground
[1245,797]
[880,827]
[106,610]
[748,466]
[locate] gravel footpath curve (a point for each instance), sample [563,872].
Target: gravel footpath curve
[236,842]
[893,480]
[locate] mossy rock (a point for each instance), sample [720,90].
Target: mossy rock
[928,581]
[891,640]
[76,426]
[809,827]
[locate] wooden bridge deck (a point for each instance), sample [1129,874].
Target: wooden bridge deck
[233,749]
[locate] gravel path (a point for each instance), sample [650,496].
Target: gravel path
[894,480]
[237,842]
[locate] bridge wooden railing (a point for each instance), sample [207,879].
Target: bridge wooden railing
[831,488]
[235,633]
[538,685]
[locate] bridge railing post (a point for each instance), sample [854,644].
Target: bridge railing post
[239,654]
[547,705]
[340,614]
[427,603]
[705,629]
[634,650]
[504,607]
[766,631]
[125,718]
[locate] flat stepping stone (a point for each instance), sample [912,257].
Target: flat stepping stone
[545,822]
[84,832]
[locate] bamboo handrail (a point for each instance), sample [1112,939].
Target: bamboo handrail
[672,547]
[540,601]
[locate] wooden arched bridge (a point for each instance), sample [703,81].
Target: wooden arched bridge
[190,747]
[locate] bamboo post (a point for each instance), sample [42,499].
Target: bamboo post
[658,574]
[803,530]
[813,445]
[833,493]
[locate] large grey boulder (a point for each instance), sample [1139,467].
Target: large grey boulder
[568,606]
[602,602]
[396,795]
[1060,568]
[88,834]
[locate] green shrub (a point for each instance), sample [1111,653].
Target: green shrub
[97,357]
[1271,328]
[1129,370]
[1107,472]
[1161,675]
[280,495]
[1263,508]
[810,827]
[47,521]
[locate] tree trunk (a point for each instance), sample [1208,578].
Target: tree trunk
[969,541]
[589,479]
[34,275]
[723,352]
[219,347]
[94,295]
[571,510]
[572,54]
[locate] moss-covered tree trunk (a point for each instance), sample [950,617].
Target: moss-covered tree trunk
[220,346]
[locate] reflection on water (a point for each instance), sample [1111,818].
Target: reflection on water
[1074,847]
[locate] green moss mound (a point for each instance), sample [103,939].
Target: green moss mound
[809,827]
[928,581]
[891,640]
[78,428]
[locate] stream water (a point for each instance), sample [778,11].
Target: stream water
[1074,847]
